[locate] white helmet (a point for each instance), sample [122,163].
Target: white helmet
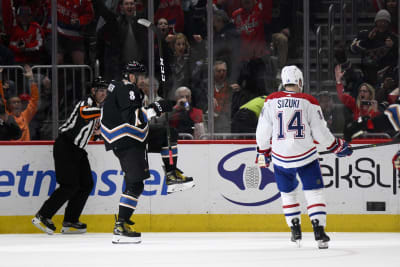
[292,75]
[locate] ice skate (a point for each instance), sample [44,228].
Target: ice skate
[177,181]
[124,235]
[296,231]
[44,224]
[73,228]
[320,235]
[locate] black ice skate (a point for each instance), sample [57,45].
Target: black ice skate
[296,231]
[320,235]
[73,228]
[124,235]
[176,181]
[44,224]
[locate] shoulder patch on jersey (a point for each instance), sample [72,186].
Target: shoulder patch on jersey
[111,87]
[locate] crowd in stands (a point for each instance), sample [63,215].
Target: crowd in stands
[252,41]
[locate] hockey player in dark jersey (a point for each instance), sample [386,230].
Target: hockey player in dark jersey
[72,166]
[126,131]
[388,121]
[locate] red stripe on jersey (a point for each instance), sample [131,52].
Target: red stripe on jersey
[316,205]
[305,96]
[291,206]
[294,156]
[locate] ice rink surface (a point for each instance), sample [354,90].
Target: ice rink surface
[199,249]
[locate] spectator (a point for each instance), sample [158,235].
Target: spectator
[352,76]
[39,10]
[14,106]
[365,103]
[246,118]
[26,40]
[223,92]
[179,69]
[186,118]
[391,6]
[378,47]
[172,11]
[195,17]
[145,86]
[333,115]
[226,43]
[387,83]
[250,21]
[229,6]
[72,17]
[9,129]
[124,39]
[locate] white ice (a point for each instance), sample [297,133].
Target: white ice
[199,249]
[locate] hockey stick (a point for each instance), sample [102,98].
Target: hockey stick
[394,141]
[153,27]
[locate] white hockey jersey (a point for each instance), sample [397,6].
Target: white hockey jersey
[293,121]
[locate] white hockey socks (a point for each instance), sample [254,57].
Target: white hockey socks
[316,205]
[291,206]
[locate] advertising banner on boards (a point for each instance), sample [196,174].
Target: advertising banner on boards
[227,181]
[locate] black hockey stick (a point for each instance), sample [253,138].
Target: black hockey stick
[153,27]
[394,141]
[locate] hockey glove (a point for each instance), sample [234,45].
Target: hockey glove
[356,128]
[396,160]
[161,106]
[341,148]
[263,158]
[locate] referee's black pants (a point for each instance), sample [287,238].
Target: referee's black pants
[74,176]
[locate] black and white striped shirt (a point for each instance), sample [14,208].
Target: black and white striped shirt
[80,125]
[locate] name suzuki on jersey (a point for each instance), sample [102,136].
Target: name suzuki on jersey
[288,103]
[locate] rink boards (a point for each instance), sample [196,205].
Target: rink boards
[231,192]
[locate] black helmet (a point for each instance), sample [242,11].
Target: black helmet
[99,82]
[133,67]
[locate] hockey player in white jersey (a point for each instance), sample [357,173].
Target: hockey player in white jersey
[293,120]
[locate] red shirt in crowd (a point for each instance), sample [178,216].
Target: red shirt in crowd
[172,11]
[250,25]
[351,103]
[26,44]
[69,10]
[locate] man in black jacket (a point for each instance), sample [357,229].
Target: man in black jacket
[124,40]
[125,130]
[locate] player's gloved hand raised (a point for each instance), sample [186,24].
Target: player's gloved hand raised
[263,158]
[341,148]
[396,160]
[355,128]
[161,106]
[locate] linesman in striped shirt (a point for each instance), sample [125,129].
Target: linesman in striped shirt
[73,172]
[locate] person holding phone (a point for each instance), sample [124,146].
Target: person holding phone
[365,103]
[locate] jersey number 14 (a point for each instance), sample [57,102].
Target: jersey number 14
[294,125]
